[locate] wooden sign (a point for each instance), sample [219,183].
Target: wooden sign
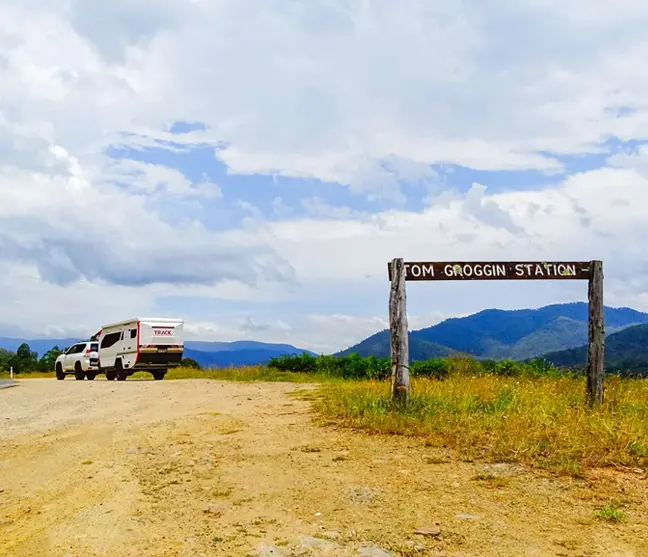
[401,271]
[510,270]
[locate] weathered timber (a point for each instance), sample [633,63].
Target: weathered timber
[399,334]
[596,336]
[495,270]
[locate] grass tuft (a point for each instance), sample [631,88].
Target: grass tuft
[610,513]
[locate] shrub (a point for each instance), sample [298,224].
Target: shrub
[190,363]
[437,368]
[354,366]
[297,363]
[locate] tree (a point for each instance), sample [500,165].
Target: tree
[5,358]
[48,360]
[25,360]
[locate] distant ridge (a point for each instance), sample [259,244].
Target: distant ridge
[498,334]
[625,351]
[207,354]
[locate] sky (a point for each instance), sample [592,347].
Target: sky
[252,165]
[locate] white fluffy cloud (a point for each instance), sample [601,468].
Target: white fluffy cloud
[70,230]
[330,89]
[367,94]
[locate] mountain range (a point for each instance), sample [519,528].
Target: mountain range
[207,354]
[498,334]
[557,332]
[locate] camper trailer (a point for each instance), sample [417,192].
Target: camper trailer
[148,344]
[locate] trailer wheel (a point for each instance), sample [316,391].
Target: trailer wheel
[111,375]
[158,375]
[121,374]
[90,375]
[59,372]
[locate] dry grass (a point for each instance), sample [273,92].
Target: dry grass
[31,375]
[543,422]
[249,373]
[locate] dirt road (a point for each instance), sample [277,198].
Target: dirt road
[199,468]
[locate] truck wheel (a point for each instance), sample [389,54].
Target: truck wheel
[59,372]
[121,374]
[91,375]
[111,375]
[158,375]
[78,372]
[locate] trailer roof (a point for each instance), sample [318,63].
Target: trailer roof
[144,320]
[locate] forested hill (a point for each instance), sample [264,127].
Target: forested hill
[493,333]
[626,351]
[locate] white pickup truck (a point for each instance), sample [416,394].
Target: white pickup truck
[150,344]
[80,359]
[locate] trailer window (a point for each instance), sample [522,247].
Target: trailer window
[110,340]
[94,347]
[133,333]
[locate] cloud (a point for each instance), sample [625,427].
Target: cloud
[254,326]
[71,230]
[488,211]
[347,88]
[155,179]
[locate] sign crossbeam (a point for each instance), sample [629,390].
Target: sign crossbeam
[495,270]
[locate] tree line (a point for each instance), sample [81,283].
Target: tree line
[25,360]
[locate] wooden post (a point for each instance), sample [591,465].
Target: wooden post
[398,334]
[596,336]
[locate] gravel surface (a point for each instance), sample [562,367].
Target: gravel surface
[202,468]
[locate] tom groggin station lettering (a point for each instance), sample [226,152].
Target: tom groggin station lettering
[520,270]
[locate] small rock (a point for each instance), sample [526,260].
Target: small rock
[272,551]
[373,551]
[331,535]
[214,508]
[28,509]
[137,450]
[1,489]
[309,542]
[359,494]
[501,469]
[434,532]
[465,516]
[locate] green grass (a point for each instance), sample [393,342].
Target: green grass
[540,421]
[610,513]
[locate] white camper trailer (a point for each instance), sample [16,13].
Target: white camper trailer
[148,344]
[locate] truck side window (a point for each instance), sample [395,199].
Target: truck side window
[133,333]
